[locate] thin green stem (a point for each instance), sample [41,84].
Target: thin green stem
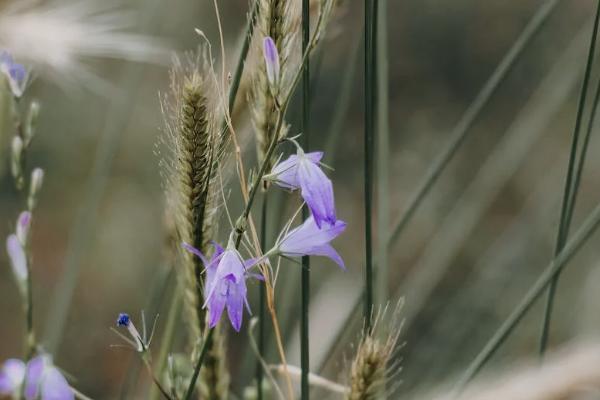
[163,391]
[305,280]
[169,333]
[461,129]
[569,189]
[589,226]
[383,157]
[239,70]
[343,100]
[262,302]
[370,100]
[203,351]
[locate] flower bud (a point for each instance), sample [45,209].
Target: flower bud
[31,122]
[23,226]
[16,158]
[37,180]
[18,259]
[271,56]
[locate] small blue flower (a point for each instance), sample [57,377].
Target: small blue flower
[139,343]
[15,73]
[123,320]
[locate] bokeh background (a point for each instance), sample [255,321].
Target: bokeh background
[478,241]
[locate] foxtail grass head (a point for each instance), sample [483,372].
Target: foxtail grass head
[374,367]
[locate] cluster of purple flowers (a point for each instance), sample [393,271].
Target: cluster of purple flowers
[38,379]
[227,271]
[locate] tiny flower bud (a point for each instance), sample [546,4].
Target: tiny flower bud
[271,56]
[37,180]
[23,225]
[18,259]
[31,122]
[17,146]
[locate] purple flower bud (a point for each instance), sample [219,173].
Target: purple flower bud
[23,226]
[271,60]
[18,259]
[311,240]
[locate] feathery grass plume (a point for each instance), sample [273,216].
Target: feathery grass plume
[193,140]
[56,37]
[274,20]
[279,20]
[373,365]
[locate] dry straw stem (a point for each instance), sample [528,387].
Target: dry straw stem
[373,366]
[572,373]
[193,138]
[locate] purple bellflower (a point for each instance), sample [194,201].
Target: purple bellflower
[225,286]
[41,380]
[302,171]
[15,74]
[309,239]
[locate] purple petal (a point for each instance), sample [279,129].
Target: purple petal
[216,303]
[257,276]
[285,173]
[307,236]
[23,225]
[55,386]
[308,239]
[235,304]
[195,251]
[271,56]
[11,376]
[35,372]
[317,191]
[314,156]
[328,251]
[17,256]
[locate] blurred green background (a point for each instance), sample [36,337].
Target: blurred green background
[479,240]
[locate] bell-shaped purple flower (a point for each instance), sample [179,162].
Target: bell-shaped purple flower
[15,74]
[41,380]
[225,286]
[302,171]
[309,239]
